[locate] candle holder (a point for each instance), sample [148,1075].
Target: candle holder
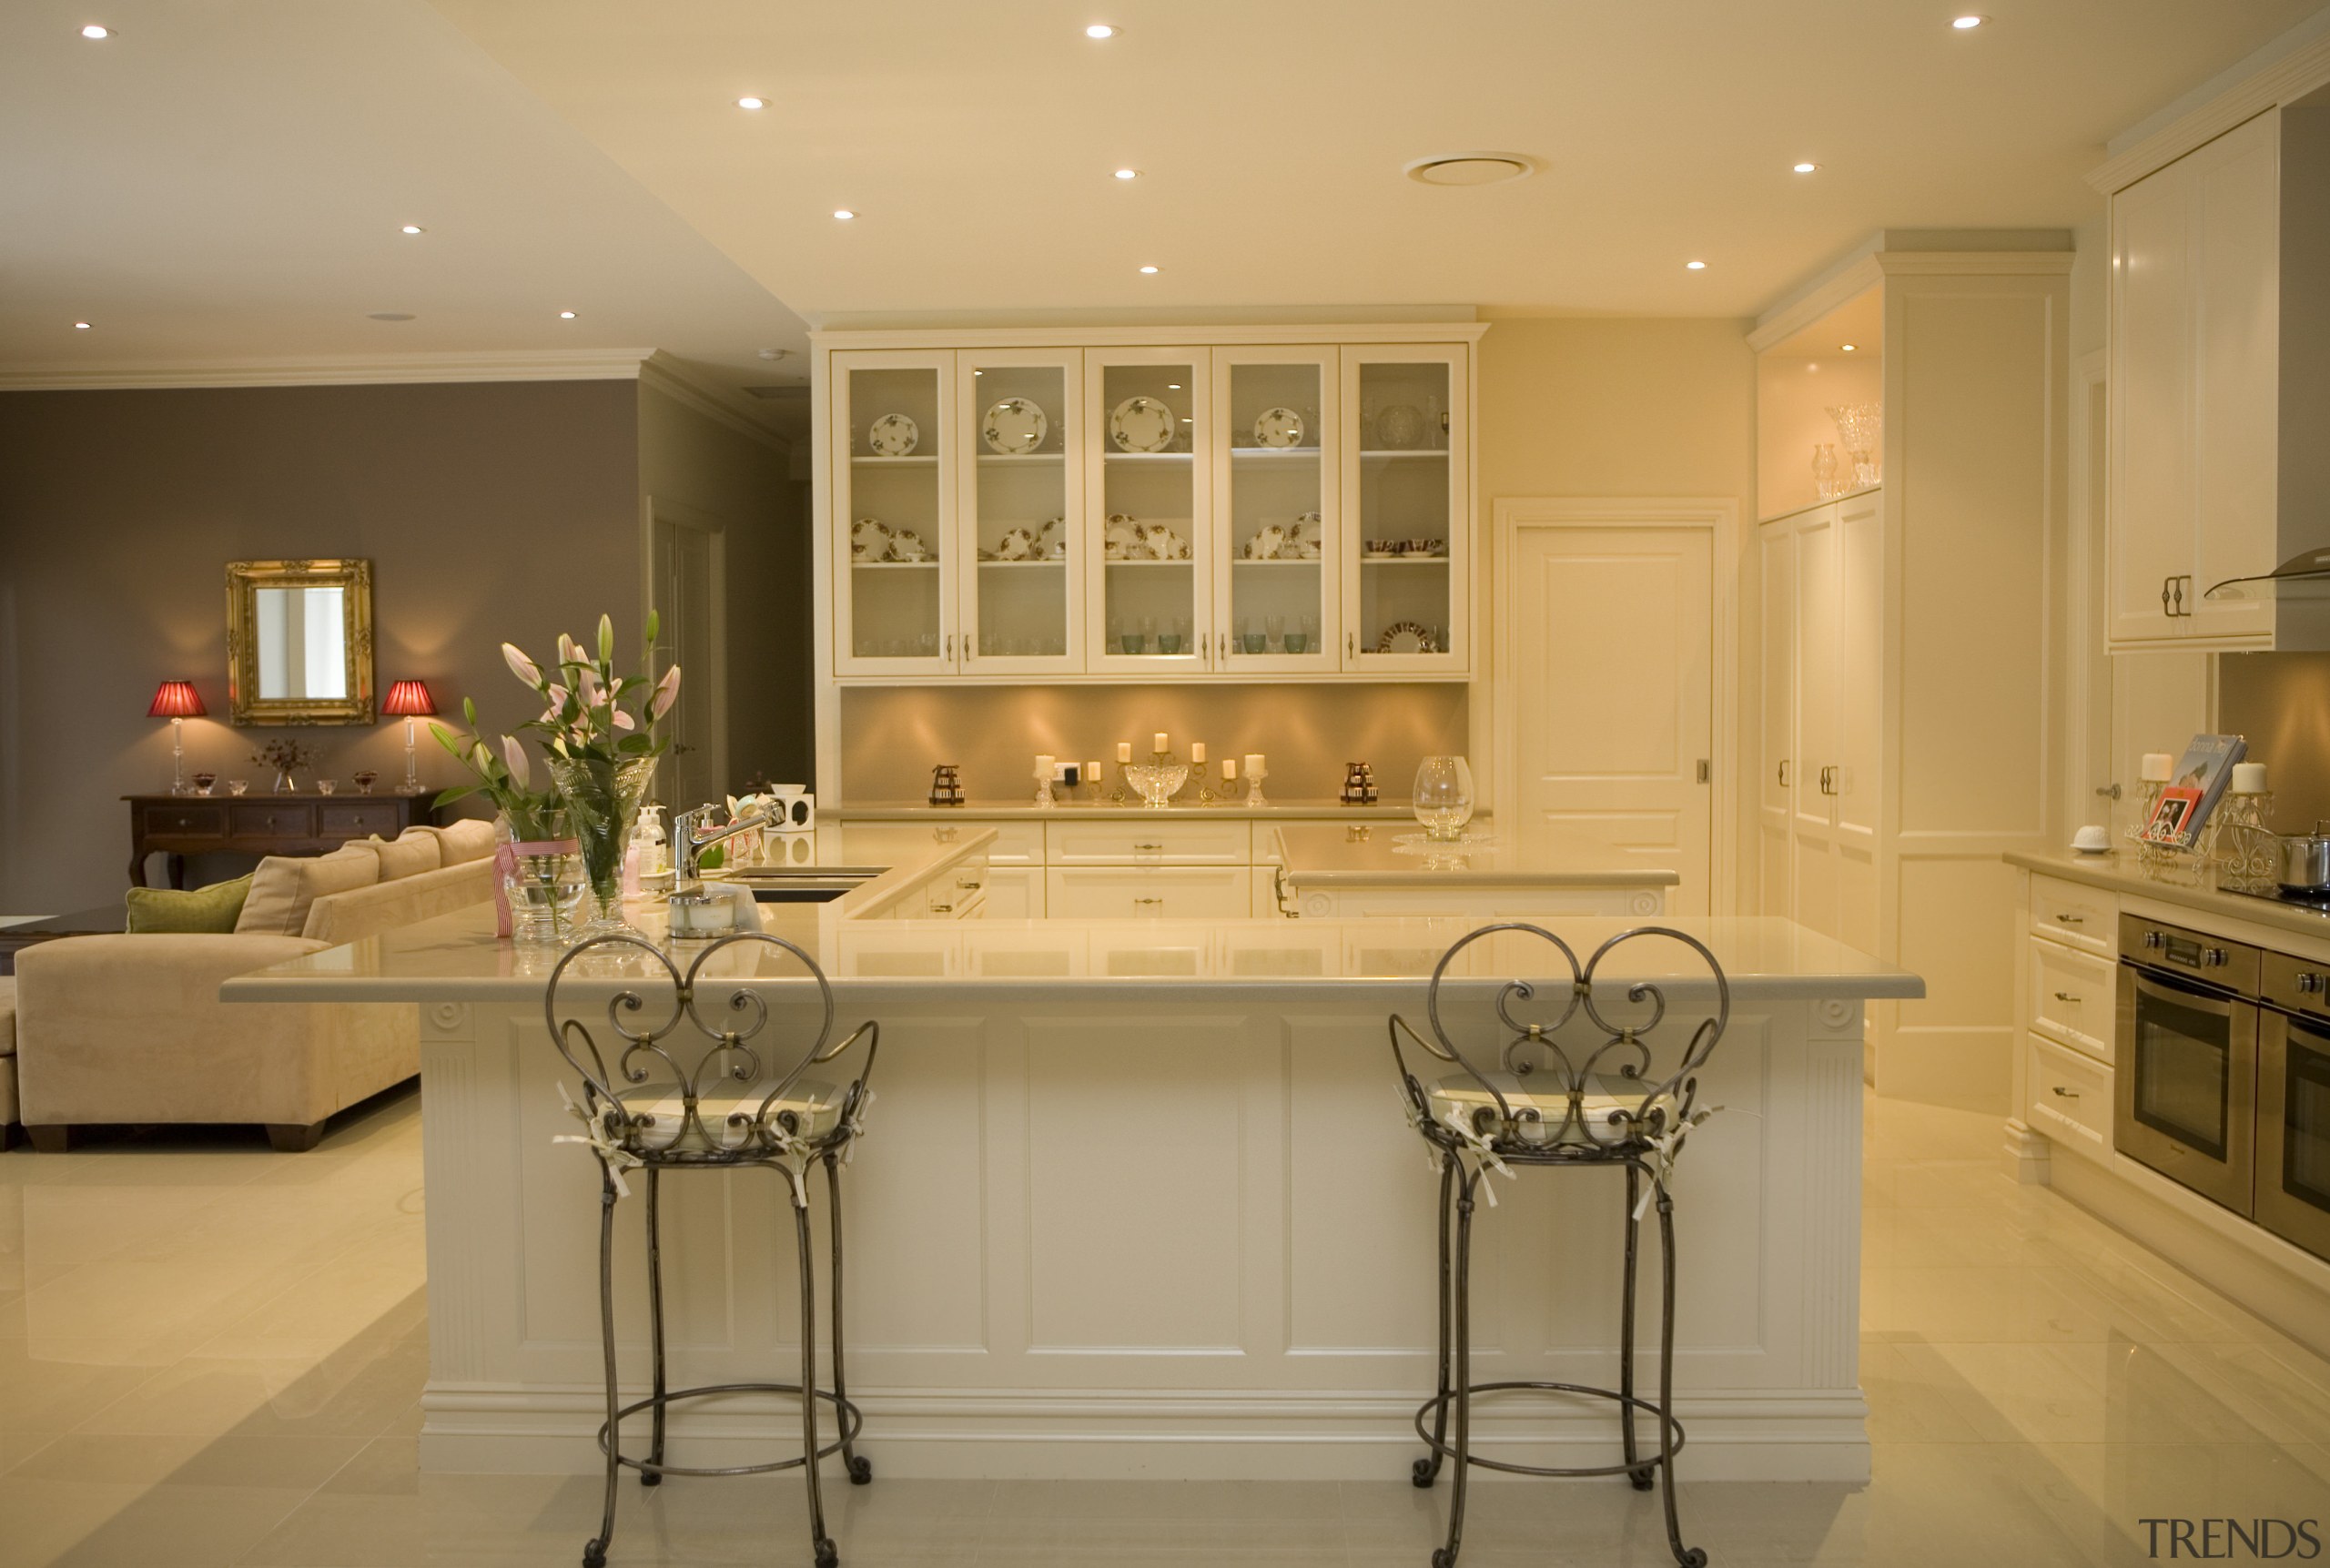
[2248,852]
[1255,773]
[1117,796]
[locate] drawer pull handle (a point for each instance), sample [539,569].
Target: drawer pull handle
[2071,919]
[1157,847]
[2066,996]
[942,909]
[2063,1093]
[181,822]
[1141,903]
[967,884]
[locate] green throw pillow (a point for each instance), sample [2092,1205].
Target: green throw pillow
[214,909]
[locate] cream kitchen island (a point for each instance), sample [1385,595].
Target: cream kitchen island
[1137,1198]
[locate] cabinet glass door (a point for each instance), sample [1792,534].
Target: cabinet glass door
[893,512]
[1277,589]
[1407,591]
[1147,528]
[1022,490]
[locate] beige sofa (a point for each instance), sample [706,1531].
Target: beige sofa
[130,1028]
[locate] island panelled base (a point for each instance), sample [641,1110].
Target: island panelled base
[1149,1237]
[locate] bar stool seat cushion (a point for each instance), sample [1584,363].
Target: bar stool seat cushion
[659,1113]
[1543,1093]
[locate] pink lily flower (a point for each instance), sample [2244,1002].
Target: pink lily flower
[623,719]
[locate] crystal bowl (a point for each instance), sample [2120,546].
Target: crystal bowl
[1158,782]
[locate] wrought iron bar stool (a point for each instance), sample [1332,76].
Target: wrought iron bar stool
[1589,1100]
[701,1090]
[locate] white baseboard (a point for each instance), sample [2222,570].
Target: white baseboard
[940,1434]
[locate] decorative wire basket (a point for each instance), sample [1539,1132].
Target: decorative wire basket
[2248,852]
[2197,866]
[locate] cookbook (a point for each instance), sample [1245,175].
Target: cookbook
[2192,790]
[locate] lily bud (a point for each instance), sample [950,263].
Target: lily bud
[521,771]
[606,639]
[520,665]
[667,691]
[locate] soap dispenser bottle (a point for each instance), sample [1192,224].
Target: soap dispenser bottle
[651,851]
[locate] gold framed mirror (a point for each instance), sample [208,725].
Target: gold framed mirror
[300,641]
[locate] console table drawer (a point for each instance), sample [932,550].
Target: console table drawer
[193,819]
[261,819]
[359,818]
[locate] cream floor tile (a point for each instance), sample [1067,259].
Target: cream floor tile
[267,1462]
[205,1397]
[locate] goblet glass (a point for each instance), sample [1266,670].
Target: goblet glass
[1444,797]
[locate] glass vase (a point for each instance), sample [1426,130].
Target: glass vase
[603,801]
[1444,799]
[544,884]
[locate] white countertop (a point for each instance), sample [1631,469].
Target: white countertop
[1365,855]
[1378,961]
[2117,872]
[1087,810]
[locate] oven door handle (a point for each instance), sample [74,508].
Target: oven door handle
[2173,989]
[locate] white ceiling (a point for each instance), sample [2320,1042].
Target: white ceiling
[225,181]
[976,141]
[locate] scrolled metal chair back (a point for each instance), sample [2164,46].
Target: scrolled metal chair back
[1595,1118]
[710,1035]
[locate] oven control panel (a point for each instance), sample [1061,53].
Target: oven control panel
[2296,985]
[2215,960]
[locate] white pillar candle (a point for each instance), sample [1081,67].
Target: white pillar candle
[1229,770]
[1161,742]
[1092,770]
[1197,753]
[1124,751]
[2156,766]
[1253,763]
[1043,764]
[2249,778]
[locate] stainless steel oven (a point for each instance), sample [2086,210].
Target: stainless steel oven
[2185,1079]
[2294,1103]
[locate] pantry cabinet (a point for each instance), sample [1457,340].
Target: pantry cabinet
[1215,509]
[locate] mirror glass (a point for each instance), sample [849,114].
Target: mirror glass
[300,641]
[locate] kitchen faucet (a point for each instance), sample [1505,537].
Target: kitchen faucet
[688,843]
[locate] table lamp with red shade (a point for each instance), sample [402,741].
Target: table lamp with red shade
[408,700]
[177,701]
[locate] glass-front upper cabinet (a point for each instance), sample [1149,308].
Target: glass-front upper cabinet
[1020,547]
[892,420]
[1406,564]
[1278,469]
[1147,544]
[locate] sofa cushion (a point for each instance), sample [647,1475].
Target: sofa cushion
[465,838]
[407,854]
[7,1016]
[339,917]
[215,908]
[285,887]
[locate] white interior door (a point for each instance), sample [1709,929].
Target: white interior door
[1610,690]
[684,588]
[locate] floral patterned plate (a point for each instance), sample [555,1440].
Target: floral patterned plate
[893,436]
[1015,426]
[1142,425]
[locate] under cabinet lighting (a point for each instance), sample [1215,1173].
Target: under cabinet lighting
[843,214]
[1807,167]
[749,102]
[1695,266]
[95,30]
[1100,30]
[411,228]
[1966,23]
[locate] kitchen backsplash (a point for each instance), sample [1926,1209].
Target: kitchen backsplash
[2281,703]
[891,735]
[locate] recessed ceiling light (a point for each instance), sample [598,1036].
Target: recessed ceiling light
[80,326]
[95,30]
[1127,174]
[1849,348]
[1100,30]
[1469,168]
[843,214]
[1148,269]
[387,316]
[749,102]
[411,228]
[1966,23]
[1695,266]
[1807,167]
[566,315]
[1172,385]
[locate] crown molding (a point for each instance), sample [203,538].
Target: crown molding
[2295,75]
[1856,275]
[1869,263]
[333,370]
[1231,334]
[1974,263]
[678,382]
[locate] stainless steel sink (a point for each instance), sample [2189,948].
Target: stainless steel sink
[802,883]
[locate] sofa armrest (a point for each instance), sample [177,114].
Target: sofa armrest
[192,966]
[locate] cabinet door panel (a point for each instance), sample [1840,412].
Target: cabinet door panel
[1150,469]
[1019,551]
[893,429]
[1816,667]
[1278,469]
[2150,537]
[1407,558]
[2236,299]
[1778,769]
[1859,664]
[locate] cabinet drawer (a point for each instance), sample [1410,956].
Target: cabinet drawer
[1149,844]
[191,820]
[2071,1099]
[357,818]
[872,843]
[2083,917]
[271,819]
[2073,994]
[1015,893]
[1128,892]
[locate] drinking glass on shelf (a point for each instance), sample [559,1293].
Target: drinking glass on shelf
[1306,638]
[1275,632]
[1444,797]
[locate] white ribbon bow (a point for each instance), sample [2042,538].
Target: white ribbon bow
[611,1153]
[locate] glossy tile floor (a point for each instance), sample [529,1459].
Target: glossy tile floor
[212,1354]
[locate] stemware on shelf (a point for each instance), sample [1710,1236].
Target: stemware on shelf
[1860,427]
[1444,796]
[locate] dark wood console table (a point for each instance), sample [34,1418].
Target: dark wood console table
[179,825]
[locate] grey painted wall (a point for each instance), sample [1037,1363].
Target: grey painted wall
[489,511]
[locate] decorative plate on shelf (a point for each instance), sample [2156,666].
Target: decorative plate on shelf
[1160,543]
[908,545]
[1406,637]
[869,539]
[893,436]
[1306,536]
[1277,428]
[1017,544]
[1051,540]
[1015,426]
[1120,540]
[1399,427]
[1268,543]
[1142,425]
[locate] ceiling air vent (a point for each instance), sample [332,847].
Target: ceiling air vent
[1470,168]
